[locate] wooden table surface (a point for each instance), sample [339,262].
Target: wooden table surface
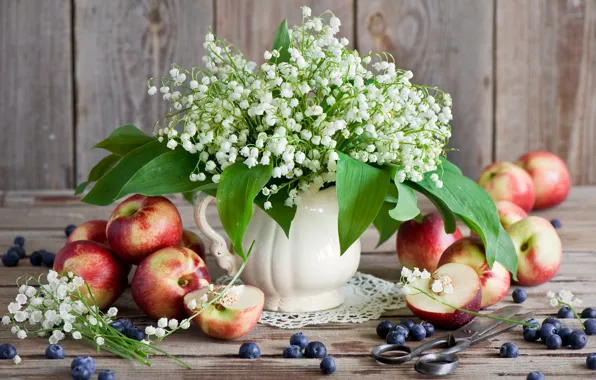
[41,216]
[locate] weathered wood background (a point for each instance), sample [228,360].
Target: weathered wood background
[522,72]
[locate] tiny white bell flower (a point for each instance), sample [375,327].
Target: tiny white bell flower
[162,322]
[437,286]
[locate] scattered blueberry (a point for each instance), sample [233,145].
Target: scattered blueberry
[578,340]
[7,351]
[249,350]
[10,259]
[554,342]
[408,323]
[547,330]
[402,329]
[591,361]
[430,329]
[68,230]
[590,326]
[565,312]
[417,333]
[509,350]
[564,334]
[535,376]
[106,374]
[556,223]
[125,322]
[48,258]
[84,361]
[135,333]
[533,322]
[328,365]
[315,350]
[20,251]
[531,334]
[118,326]
[292,352]
[19,240]
[383,328]
[553,321]
[36,259]
[519,295]
[395,337]
[589,313]
[81,372]
[299,339]
[54,351]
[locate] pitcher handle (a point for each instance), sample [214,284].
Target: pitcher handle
[226,260]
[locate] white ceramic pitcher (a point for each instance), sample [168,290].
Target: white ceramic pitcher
[297,274]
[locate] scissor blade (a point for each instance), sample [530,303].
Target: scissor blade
[481,325]
[507,327]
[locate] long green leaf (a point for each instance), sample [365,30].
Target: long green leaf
[101,168]
[361,190]
[446,213]
[107,189]
[209,188]
[238,186]
[282,214]
[124,140]
[385,224]
[281,43]
[407,204]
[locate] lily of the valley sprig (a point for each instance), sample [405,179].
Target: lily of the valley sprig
[565,298]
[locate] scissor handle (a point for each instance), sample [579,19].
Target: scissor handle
[409,354]
[439,364]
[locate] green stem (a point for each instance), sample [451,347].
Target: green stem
[577,316]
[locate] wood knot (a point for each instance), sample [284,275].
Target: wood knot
[154,16]
[377,25]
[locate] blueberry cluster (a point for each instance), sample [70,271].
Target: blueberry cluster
[407,328]
[83,367]
[126,327]
[17,252]
[299,347]
[555,336]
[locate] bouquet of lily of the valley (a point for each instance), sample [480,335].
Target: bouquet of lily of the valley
[313,115]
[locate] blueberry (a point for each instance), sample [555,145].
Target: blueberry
[249,350]
[54,351]
[68,230]
[106,374]
[7,351]
[519,295]
[417,333]
[20,251]
[553,321]
[36,259]
[408,323]
[430,329]
[564,334]
[328,365]
[10,259]
[292,352]
[81,372]
[127,323]
[135,333]
[533,322]
[315,350]
[556,223]
[83,361]
[509,350]
[395,337]
[19,240]
[565,312]
[535,376]
[299,339]
[531,334]
[591,361]
[589,313]
[554,342]
[48,258]
[383,328]
[578,340]
[402,329]
[590,326]
[547,330]
[118,326]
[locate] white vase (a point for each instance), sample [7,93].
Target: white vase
[297,274]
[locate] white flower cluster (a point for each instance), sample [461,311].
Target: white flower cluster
[296,111]
[441,284]
[564,297]
[161,331]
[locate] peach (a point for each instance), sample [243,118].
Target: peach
[94,230]
[550,175]
[504,181]
[193,242]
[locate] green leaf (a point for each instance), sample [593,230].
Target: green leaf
[281,43]
[472,205]
[444,210]
[361,190]
[282,214]
[101,168]
[238,186]
[391,195]
[124,140]
[385,224]
[209,188]
[407,204]
[450,166]
[107,189]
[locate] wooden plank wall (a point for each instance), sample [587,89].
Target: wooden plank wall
[521,72]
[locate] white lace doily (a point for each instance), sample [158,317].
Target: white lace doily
[366,298]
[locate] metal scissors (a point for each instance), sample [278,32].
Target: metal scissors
[445,362]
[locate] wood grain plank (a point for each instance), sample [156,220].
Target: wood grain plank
[251,24]
[448,44]
[545,76]
[119,45]
[36,143]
